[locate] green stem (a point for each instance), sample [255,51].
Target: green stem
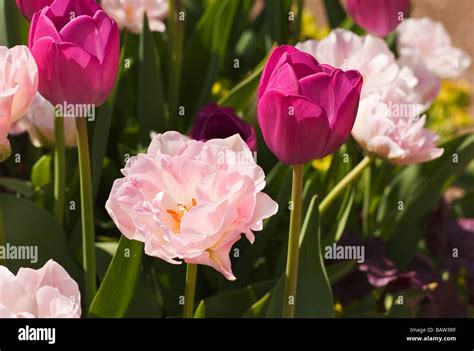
[87,210]
[3,262]
[59,169]
[339,188]
[176,33]
[293,243]
[366,202]
[298,20]
[189,290]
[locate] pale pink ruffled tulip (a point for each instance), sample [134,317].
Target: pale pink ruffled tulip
[18,86]
[191,200]
[428,41]
[367,54]
[394,132]
[394,95]
[48,292]
[39,123]
[130,13]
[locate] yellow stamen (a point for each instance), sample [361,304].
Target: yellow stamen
[182,209]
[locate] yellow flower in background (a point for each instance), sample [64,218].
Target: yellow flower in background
[220,89]
[450,111]
[322,164]
[310,28]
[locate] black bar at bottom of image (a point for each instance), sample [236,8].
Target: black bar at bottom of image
[62,334]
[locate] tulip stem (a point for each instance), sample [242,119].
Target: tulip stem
[348,179]
[87,210]
[59,169]
[189,290]
[293,243]
[366,201]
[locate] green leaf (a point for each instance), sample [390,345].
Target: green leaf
[145,302]
[169,280]
[342,217]
[278,25]
[116,290]
[100,135]
[233,303]
[22,187]
[314,295]
[334,12]
[259,308]
[41,174]
[9,23]
[242,93]
[205,53]
[279,178]
[29,225]
[339,270]
[419,187]
[151,106]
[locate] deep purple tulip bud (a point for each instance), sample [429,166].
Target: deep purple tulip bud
[214,121]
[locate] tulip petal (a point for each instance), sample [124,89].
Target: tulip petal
[327,91]
[71,61]
[284,80]
[342,126]
[303,64]
[109,41]
[271,64]
[294,128]
[43,26]
[61,12]
[82,31]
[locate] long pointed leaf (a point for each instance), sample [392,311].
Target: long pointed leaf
[314,295]
[116,290]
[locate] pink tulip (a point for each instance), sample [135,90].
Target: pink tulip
[393,96]
[426,42]
[130,13]
[397,136]
[29,7]
[39,123]
[18,86]
[372,57]
[76,46]
[379,17]
[305,110]
[191,200]
[48,292]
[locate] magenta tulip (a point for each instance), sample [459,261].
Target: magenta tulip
[29,7]
[214,122]
[379,17]
[306,110]
[76,46]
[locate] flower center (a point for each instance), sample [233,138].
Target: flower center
[182,208]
